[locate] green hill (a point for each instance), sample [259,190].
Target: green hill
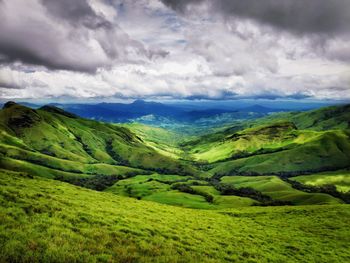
[58,140]
[315,152]
[283,143]
[327,118]
[155,164]
[280,163]
[43,220]
[340,179]
[279,190]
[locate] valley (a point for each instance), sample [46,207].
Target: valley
[133,192]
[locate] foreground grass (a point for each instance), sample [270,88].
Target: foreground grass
[42,220]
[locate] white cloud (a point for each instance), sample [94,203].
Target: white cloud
[150,51]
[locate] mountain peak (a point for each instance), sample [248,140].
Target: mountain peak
[53,109]
[140,102]
[9,104]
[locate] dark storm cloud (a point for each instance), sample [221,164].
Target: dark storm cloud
[76,12]
[7,85]
[64,34]
[298,16]
[17,52]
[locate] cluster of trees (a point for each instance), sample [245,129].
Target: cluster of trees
[44,163]
[282,174]
[326,189]
[188,189]
[228,189]
[264,200]
[168,182]
[85,146]
[96,182]
[109,149]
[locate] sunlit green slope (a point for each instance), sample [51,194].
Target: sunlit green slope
[43,220]
[279,190]
[154,164]
[322,151]
[290,143]
[58,140]
[340,178]
[164,141]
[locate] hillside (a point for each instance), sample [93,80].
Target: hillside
[60,141]
[49,221]
[327,118]
[288,143]
[156,164]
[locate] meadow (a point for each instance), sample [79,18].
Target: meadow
[49,221]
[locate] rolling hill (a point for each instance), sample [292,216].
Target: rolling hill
[52,138]
[169,167]
[287,143]
[264,190]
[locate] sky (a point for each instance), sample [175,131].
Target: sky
[175,49]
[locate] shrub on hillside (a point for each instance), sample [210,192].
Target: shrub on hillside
[188,189]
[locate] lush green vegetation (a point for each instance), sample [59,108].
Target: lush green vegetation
[62,142]
[341,179]
[169,189]
[162,140]
[170,167]
[49,221]
[279,190]
[122,193]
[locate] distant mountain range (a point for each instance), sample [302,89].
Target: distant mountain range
[139,109]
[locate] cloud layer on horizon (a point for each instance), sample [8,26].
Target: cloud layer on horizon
[174,49]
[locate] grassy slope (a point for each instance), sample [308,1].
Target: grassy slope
[246,141]
[341,179]
[142,188]
[334,117]
[272,132]
[328,150]
[45,135]
[55,144]
[162,140]
[49,221]
[279,190]
[37,159]
[327,118]
[158,188]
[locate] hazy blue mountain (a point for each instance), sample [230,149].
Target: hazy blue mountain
[137,110]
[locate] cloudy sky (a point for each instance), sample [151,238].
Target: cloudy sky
[174,49]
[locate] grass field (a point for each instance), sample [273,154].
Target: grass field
[279,190]
[50,221]
[163,141]
[158,188]
[341,179]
